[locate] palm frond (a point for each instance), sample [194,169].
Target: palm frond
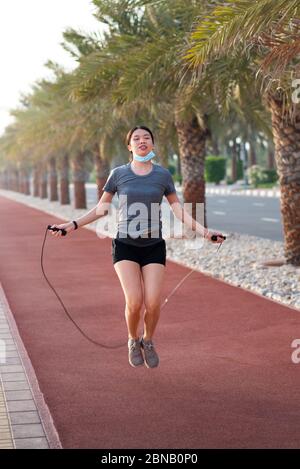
[237,22]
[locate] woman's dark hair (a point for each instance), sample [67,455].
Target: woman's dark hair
[128,136]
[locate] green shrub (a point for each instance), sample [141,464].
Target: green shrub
[258,175]
[172,169]
[255,174]
[270,175]
[177,178]
[215,168]
[240,170]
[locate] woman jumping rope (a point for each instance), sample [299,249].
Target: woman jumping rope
[140,259]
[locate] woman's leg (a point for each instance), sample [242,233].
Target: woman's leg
[129,273]
[153,276]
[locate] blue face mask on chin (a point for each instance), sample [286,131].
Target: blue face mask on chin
[147,157]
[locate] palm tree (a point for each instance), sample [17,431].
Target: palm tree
[266,32]
[139,63]
[136,74]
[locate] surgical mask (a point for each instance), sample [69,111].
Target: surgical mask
[147,157]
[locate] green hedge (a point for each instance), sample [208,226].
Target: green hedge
[177,178]
[172,169]
[270,175]
[240,170]
[215,168]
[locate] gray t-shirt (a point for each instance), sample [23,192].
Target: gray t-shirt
[140,196]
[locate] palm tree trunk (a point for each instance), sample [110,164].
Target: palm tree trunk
[101,168]
[287,156]
[36,181]
[27,181]
[12,180]
[2,180]
[252,154]
[79,175]
[25,178]
[64,180]
[9,179]
[162,150]
[52,178]
[271,158]
[21,180]
[6,179]
[191,143]
[234,162]
[43,180]
[16,180]
[215,144]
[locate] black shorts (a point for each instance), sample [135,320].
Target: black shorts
[141,254]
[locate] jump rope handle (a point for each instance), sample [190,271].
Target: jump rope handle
[215,237]
[63,232]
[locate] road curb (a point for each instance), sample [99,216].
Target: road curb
[224,190]
[244,192]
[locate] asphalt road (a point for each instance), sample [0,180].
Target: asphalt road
[257,216]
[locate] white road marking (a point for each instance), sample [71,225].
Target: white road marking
[216,212]
[273,220]
[259,204]
[222,201]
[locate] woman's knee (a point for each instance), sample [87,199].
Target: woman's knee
[134,304]
[152,305]
[131,280]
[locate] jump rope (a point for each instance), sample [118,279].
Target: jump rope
[64,232]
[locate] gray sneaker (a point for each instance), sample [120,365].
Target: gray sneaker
[151,357]
[135,355]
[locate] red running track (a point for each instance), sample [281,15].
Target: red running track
[225,380]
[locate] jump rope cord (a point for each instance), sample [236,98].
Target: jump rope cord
[76,325]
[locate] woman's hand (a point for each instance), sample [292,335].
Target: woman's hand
[64,226]
[208,235]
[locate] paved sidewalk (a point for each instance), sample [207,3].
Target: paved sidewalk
[6,440]
[25,421]
[225,380]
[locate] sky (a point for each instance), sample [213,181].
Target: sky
[30,35]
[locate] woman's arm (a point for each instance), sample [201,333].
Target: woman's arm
[186,218]
[96,212]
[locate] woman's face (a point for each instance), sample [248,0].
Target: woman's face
[141,142]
